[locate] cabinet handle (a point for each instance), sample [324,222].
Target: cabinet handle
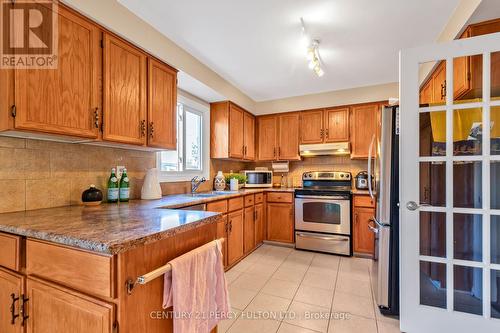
[151,130]
[225,226]
[443,90]
[274,151]
[279,151]
[22,312]
[230,225]
[13,309]
[96,117]
[326,133]
[321,132]
[143,128]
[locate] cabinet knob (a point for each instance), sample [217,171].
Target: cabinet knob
[143,127]
[22,312]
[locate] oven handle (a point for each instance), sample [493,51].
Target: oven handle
[326,197]
[323,237]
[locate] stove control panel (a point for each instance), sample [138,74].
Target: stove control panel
[326,175]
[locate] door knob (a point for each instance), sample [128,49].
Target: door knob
[412,205]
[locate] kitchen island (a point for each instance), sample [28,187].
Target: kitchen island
[68,268]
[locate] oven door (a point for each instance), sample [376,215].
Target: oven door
[323,214]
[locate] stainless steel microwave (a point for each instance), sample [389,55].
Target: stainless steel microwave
[258,178]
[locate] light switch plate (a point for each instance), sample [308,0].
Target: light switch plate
[119,171]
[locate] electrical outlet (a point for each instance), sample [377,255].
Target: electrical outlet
[119,171]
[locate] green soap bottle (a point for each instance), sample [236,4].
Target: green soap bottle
[113,187]
[124,187]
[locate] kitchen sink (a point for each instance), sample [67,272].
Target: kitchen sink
[212,194]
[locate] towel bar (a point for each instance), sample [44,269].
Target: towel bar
[148,277]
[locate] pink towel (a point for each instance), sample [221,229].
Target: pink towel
[196,288]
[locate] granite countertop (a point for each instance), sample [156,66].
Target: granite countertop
[113,228]
[108,228]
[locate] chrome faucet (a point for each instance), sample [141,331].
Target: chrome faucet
[195,183]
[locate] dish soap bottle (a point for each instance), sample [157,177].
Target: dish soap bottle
[113,187]
[124,187]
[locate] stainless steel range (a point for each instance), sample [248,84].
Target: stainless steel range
[323,212]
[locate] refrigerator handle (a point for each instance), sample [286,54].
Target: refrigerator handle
[370,177]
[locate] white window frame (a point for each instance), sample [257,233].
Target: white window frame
[180,176]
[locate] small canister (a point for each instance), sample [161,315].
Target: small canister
[233,184]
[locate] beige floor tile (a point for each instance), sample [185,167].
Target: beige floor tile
[287,328]
[240,298]
[330,272]
[356,305]
[325,261]
[243,265]
[280,288]
[232,275]
[388,326]
[319,280]
[274,305]
[243,325]
[224,325]
[308,316]
[355,287]
[350,275]
[288,274]
[353,324]
[315,296]
[295,266]
[250,281]
[262,269]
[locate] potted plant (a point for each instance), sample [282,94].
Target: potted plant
[241,179]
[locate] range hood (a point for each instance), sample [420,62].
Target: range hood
[337,148]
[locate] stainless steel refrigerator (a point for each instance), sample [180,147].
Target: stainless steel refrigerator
[384,168]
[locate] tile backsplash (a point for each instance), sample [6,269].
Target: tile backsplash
[41,174]
[38,174]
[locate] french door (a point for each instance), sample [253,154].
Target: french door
[450,187]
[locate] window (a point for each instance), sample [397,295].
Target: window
[191,156]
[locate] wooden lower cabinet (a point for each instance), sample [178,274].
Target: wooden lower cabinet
[235,236]
[55,309]
[363,237]
[249,230]
[280,220]
[10,284]
[259,224]
[222,233]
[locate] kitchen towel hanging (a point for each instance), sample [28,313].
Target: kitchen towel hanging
[196,288]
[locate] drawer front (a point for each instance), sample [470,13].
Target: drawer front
[259,198]
[364,201]
[235,204]
[249,200]
[10,251]
[218,206]
[83,271]
[280,197]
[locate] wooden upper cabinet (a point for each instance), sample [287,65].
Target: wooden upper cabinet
[125,90]
[426,93]
[232,132]
[288,137]
[75,312]
[64,100]
[439,84]
[10,284]
[249,136]
[162,105]
[267,129]
[311,127]
[236,135]
[336,124]
[364,125]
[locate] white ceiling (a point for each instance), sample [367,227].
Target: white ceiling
[256,45]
